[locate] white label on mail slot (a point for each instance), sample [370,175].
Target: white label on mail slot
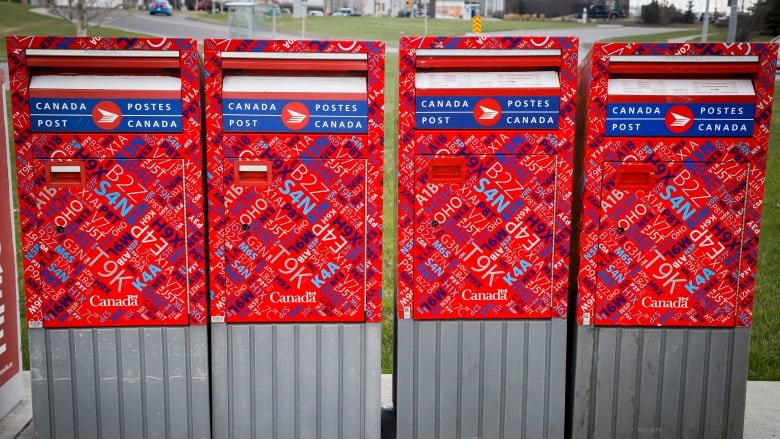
[680,87]
[65,168]
[98,82]
[294,84]
[253,168]
[475,80]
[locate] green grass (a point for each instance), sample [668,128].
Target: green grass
[387,29]
[764,362]
[764,349]
[389,227]
[693,34]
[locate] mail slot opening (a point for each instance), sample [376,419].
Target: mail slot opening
[48,61]
[488,60]
[683,66]
[301,62]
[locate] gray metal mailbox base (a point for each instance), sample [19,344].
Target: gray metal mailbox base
[296,380]
[480,379]
[660,382]
[120,382]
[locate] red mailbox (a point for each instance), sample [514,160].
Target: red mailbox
[295,133]
[109,161]
[295,175]
[486,131]
[485,160]
[674,145]
[109,156]
[675,158]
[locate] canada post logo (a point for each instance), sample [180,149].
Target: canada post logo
[487,112]
[675,119]
[106,115]
[679,119]
[295,115]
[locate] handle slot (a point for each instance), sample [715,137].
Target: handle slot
[635,177]
[447,170]
[253,174]
[65,174]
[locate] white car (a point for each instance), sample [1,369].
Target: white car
[346,12]
[315,13]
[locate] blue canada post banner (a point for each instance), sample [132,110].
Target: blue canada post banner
[249,115]
[678,120]
[487,112]
[98,115]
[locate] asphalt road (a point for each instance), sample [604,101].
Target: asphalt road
[176,25]
[186,24]
[182,24]
[589,35]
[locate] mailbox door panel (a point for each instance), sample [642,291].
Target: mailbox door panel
[295,240]
[483,236]
[111,242]
[669,243]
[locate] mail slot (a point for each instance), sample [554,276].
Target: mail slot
[295,134]
[109,158]
[486,135]
[674,153]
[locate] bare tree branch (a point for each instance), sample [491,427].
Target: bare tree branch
[85,13]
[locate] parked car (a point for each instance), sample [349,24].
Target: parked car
[413,12]
[776,40]
[603,11]
[208,6]
[273,10]
[160,7]
[346,12]
[315,13]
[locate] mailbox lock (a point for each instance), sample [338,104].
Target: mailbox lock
[620,230]
[435,223]
[60,229]
[245,227]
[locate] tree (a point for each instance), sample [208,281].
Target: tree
[84,13]
[654,13]
[770,11]
[689,16]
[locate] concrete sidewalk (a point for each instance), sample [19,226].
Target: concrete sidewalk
[762,412]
